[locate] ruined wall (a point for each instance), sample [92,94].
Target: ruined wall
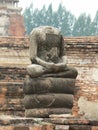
[14,57]
[16,27]
[11,22]
[82,53]
[14,52]
[4,22]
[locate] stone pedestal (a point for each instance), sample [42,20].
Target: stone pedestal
[46,96]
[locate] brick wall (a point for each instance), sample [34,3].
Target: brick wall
[16,27]
[18,123]
[11,22]
[14,57]
[82,53]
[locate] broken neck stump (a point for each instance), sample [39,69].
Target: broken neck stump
[51,83]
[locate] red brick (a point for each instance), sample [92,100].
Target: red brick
[6,127]
[79,127]
[16,25]
[49,127]
[36,127]
[94,128]
[21,128]
[62,127]
[81,53]
[43,127]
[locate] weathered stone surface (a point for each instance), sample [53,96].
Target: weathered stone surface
[43,127]
[67,72]
[16,120]
[49,85]
[21,123]
[11,104]
[14,52]
[90,111]
[11,20]
[11,89]
[94,122]
[94,128]
[12,74]
[35,70]
[19,113]
[6,127]
[81,53]
[33,127]
[45,112]
[21,128]
[61,116]
[62,127]
[51,70]
[48,60]
[47,54]
[11,96]
[79,127]
[16,27]
[50,100]
[69,120]
[44,41]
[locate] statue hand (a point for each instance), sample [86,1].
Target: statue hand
[51,66]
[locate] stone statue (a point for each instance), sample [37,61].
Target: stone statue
[47,54]
[50,87]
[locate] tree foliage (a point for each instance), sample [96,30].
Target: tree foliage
[28,18]
[95,24]
[62,19]
[82,26]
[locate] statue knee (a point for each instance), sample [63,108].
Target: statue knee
[74,72]
[35,70]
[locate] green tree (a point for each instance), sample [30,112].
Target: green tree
[64,20]
[28,13]
[49,15]
[95,24]
[82,26]
[61,18]
[88,26]
[39,17]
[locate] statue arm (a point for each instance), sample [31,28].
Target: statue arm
[33,46]
[52,66]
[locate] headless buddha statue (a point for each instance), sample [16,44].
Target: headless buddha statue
[47,54]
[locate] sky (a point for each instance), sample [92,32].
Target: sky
[76,7]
